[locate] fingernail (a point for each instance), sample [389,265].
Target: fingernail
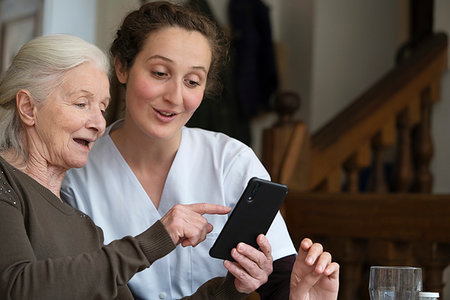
[309,260]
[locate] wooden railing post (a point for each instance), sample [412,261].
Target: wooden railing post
[349,253]
[378,183]
[276,139]
[381,142]
[354,164]
[434,257]
[423,147]
[403,177]
[352,169]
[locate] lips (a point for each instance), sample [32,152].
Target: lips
[82,142]
[165,116]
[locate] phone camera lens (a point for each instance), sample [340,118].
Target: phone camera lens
[253,193]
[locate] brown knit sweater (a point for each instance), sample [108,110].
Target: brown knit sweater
[49,250]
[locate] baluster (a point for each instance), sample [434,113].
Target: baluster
[350,255]
[434,258]
[384,139]
[424,147]
[403,176]
[333,183]
[353,165]
[435,91]
[378,182]
[352,170]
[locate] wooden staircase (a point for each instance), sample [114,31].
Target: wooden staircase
[391,218]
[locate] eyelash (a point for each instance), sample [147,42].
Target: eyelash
[192,82]
[83,105]
[159,74]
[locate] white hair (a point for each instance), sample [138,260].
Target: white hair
[39,67]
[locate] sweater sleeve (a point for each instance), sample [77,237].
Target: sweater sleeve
[277,286]
[98,274]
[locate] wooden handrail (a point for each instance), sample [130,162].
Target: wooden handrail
[332,145]
[408,217]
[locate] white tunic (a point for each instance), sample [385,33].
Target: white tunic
[208,167]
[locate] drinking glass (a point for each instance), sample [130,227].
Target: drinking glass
[395,283]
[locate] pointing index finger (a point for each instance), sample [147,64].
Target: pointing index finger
[208,208]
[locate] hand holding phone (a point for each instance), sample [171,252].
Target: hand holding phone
[253,215]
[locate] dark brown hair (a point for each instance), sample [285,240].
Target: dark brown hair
[153,16]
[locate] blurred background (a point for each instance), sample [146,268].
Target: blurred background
[318,63]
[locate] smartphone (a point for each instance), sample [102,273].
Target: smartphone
[252,215]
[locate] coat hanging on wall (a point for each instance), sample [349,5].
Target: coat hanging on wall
[255,77]
[222,113]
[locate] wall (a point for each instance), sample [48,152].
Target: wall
[441,111]
[110,14]
[296,20]
[440,165]
[72,17]
[13,9]
[19,23]
[351,37]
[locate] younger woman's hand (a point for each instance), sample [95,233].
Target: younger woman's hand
[314,275]
[252,267]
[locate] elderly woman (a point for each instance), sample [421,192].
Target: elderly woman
[51,103]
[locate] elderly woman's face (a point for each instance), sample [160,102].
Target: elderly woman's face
[71,119]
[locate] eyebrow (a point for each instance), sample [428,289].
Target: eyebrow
[156,56]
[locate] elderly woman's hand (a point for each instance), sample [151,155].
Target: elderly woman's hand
[314,275]
[186,224]
[252,267]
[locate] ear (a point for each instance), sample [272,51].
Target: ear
[25,107]
[121,71]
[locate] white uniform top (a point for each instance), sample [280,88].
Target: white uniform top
[208,167]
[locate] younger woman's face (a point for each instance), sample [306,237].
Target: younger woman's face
[166,82]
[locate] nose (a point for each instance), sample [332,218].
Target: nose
[96,121]
[174,91]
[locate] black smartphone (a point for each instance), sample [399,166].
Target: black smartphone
[252,215]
